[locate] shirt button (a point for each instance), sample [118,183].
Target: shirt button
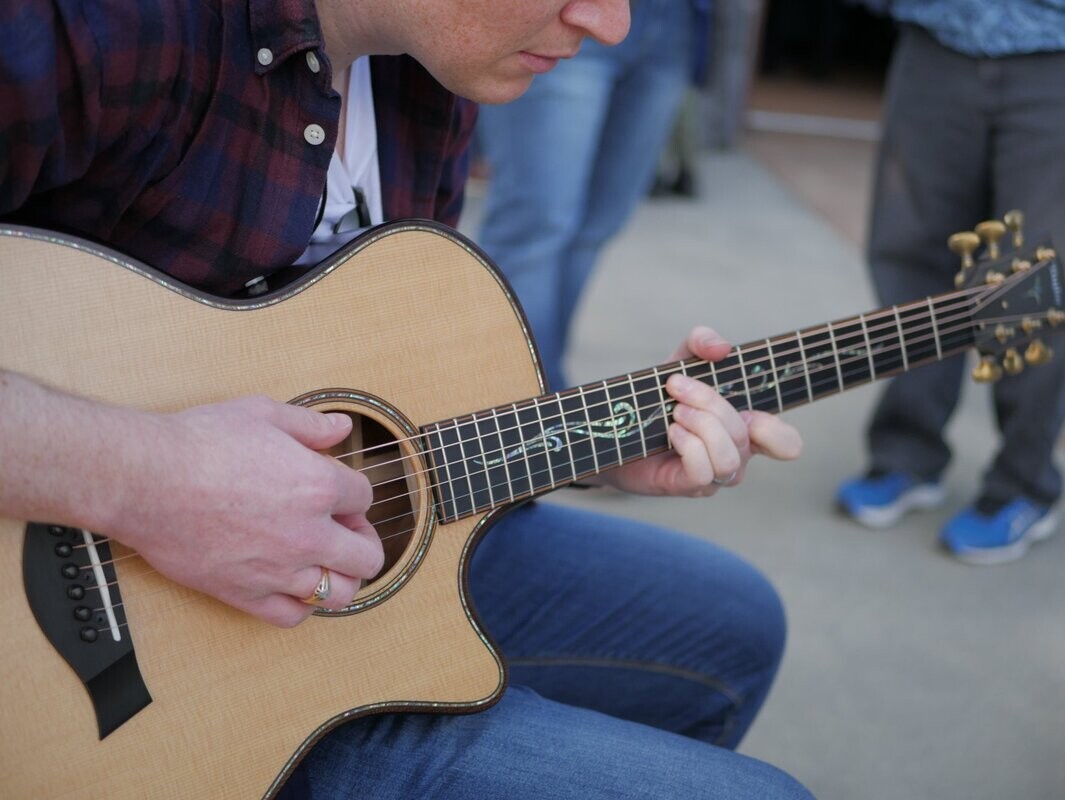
[312,62]
[266,58]
[314,134]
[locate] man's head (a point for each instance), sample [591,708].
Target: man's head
[486,50]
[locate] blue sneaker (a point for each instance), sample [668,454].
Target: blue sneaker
[879,499]
[997,534]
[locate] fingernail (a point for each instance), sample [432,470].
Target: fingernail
[682,384]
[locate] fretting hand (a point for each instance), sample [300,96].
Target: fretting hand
[711,441]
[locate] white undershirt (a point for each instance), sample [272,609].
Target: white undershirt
[358,168]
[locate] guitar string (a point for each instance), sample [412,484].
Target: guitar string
[412,511]
[724,377]
[822,370]
[486,471]
[656,400]
[964,297]
[731,373]
[909,343]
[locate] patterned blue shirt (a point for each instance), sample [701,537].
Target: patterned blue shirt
[988,27]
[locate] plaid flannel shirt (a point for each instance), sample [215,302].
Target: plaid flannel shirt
[195,135]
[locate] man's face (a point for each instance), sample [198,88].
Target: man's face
[490,50]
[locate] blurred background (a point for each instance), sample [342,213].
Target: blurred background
[907,673]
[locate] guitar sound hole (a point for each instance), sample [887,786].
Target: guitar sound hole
[373,450]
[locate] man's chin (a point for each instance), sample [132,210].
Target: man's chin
[496,92]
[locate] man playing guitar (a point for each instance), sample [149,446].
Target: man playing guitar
[197,137]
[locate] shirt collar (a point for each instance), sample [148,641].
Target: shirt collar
[284,27]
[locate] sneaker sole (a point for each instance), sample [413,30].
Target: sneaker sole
[920,498]
[1043,529]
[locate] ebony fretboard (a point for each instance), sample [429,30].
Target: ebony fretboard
[499,455]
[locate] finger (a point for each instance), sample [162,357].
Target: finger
[280,610]
[722,452]
[354,492]
[771,436]
[311,428]
[705,343]
[353,548]
[341,589]
[696,469]
[691,392]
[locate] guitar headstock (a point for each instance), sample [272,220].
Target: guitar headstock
[1017,291]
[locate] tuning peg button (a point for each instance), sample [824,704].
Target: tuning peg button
[987,371]
[964,244]
[1012,362]
[990,231]
[1037,353]
[1015,223]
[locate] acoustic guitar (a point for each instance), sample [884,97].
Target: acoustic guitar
[118,683]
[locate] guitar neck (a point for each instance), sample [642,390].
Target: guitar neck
[494,457]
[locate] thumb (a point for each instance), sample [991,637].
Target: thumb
[311,428]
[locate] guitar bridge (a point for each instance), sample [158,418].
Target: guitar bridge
[72,589]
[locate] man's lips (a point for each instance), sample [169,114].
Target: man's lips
[541,62]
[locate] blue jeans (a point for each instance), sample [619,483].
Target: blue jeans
[639,658]
[571,159]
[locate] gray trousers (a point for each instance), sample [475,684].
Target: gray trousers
[966,139]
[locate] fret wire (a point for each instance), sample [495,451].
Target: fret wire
[484,460]
[868,346]
[610,410]
[588,419]
[503,453]
[743,374]
[524,450]
[835,350]
[639,415]
[935,328]
[713,375]
[773,372]
[565,435]
[902,340]
[447,469]
[805,366]
[662,395]
[547,452]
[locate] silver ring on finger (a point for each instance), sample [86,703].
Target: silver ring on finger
[321,591]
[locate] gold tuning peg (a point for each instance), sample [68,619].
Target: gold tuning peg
[1012,362]
[1037,353]
[990,231]
[1015,222]
[987,371]
[964,244]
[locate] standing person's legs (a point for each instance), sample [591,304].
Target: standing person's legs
[932,179]
[653,72]
[540,150]
[630,647]
[1029,174]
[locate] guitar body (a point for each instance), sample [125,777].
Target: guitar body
[410,325]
